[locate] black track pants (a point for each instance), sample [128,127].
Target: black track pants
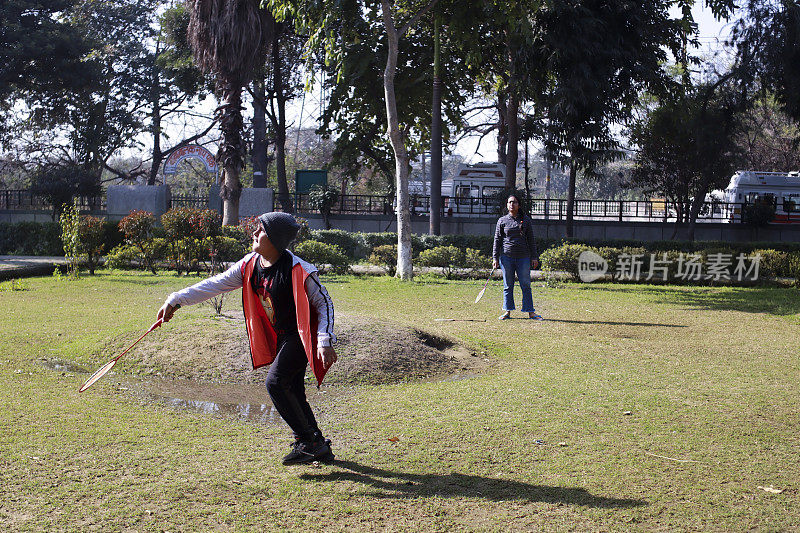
[286,387]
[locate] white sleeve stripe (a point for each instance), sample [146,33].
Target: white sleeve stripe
[328,305]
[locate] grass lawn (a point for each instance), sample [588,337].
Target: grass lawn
[630,408]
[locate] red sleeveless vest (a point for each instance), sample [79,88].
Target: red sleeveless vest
[262,336]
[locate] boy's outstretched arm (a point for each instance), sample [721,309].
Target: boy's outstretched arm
[167,311]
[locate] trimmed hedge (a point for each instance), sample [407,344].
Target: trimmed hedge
[44,238]
[322,254]
[781,259]
[676,263]
[350,243]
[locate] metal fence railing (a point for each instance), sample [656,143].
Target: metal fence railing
[654,210]
[351,204]
[188,200]
[24,200]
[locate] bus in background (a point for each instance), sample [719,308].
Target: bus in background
[779,189]
[471,191]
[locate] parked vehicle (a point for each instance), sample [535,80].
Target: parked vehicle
[779,189]
[472,190]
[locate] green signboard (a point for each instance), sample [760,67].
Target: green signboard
[305,179]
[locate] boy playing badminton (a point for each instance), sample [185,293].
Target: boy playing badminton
[289,318]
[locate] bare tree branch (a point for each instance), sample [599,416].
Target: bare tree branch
[416,17]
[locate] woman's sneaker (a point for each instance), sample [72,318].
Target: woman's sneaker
[308,452]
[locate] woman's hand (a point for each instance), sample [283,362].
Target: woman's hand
[328,355]
[535,264]
[495,263]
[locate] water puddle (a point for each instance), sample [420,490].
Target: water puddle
[244,402]
[459,377]
[62,366]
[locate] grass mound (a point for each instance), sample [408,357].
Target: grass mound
[370,352]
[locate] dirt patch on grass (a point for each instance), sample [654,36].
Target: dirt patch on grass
[216,350]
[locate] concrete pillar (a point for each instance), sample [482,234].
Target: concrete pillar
[122,199]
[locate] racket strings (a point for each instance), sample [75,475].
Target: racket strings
[98,374]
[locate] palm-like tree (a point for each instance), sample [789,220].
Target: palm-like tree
[229,38]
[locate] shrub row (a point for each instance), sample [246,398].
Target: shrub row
[193,239]
[44,238]
[359,246]
[189,239]
[729,263]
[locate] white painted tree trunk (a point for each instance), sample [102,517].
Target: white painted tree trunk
[230,192]
[405,269]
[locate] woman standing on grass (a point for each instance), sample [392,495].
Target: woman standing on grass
[289,318]
[514,250]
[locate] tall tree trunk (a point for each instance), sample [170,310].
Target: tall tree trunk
[571,199]
[436,140]
[279,125]
[155,130]
[231,152]
[230,191]
[155,115]
[259,155]
[158,156]
[697,205]
[527,177]
[512,154]
[401,160]
[502,127]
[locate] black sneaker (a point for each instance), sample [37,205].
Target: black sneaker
[329,458]
[307,452]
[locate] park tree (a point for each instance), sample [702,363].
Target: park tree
[768,139]
[92,120]
[41,52]
[663,139]
[59,184]
[325,23]
[767,42]
[355,113]
[394,15]
[687,146]
[124,87]
[500,42]
[596,81]
[282,83]
[229,40]
[107,116]
[175,82]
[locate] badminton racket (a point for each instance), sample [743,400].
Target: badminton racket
[108,366]
[480,294]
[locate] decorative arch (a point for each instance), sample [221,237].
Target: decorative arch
[186,152]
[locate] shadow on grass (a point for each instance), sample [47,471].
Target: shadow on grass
[401,485]
[779,301]
[606,322]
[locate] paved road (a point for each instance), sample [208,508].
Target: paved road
[17,266]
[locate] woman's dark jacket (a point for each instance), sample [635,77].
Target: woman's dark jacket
[514,237]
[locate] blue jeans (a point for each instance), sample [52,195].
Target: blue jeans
[522,267]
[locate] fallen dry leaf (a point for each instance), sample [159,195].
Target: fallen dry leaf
[393,439]
[771,489]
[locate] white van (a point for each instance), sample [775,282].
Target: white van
[779,188]
[471,190]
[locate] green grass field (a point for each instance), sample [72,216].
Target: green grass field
[658,408]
